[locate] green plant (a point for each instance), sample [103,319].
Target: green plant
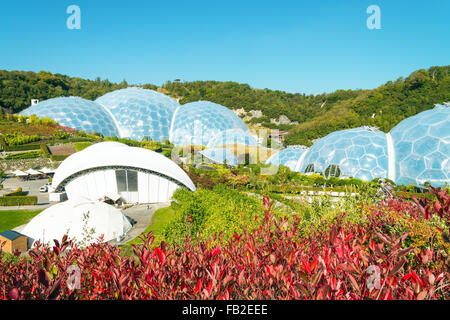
[18,201]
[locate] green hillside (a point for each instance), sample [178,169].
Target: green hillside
[317,115]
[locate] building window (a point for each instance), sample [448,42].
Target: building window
[132,180]
[121,178]
[127,180]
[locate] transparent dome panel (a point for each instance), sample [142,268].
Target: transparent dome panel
[77,113]
[234,136]
[202,122]
[288,157]
[360,152]
[220,155]
[422,148]
[140,113]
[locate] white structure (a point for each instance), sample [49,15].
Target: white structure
[110,168]
[77,218]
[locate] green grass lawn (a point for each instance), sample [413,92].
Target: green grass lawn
[78,146]
[13,218]
[159,220]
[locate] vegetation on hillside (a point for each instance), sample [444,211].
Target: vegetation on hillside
[317,115]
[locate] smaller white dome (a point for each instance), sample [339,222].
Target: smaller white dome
[77,218]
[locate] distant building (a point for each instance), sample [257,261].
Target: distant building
[278,135]
[34,101]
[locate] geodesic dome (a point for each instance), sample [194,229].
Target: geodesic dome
[422,147]
[360,152]
[289,157]
[201,122]
[235,136]
[220,155]
[140,113]
[77,113]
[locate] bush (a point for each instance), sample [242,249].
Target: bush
[18,201]
[19,139]
[58,158]
[45,150]
[205,212]
[274,261]
[24,155]
[23,147]
[17,193]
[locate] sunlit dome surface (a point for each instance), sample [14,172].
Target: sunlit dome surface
[72,217]
[140,113]
[360,152]
[422,148]
[220,155]
[77,113]
[235,136]
[201,122]
[288,157]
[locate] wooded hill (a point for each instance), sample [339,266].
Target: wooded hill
[317,115]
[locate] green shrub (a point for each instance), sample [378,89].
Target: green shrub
[204,213]
[23,147]
[18,201]
[19,139]
[17,193]
[45,150]
[24,155]
[62,135]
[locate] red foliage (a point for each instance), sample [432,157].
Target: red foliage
[271,262]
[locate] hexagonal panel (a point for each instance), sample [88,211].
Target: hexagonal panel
[77,113]
[422,147]
[288,157]
[140,112]
[356,151]
[201,122]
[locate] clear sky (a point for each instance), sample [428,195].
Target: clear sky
[297,46]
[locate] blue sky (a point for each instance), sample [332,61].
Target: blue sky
[295,46]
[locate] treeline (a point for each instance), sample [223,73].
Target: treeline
[321,114]
[317,115]
[382,107]
[17,88]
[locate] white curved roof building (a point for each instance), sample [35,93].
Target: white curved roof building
[75,218]
[114,170]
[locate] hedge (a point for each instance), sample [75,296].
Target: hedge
[45,150]
[18,201]
[22,147]
[24,155]
[17,193]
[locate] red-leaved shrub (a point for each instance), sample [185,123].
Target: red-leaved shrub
[348,261]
